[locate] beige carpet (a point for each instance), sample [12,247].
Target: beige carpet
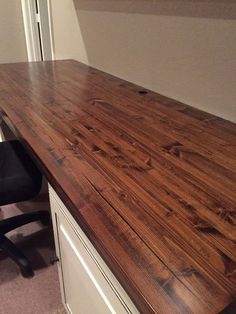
[62,311]
[40,294]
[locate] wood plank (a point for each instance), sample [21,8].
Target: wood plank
[150,180]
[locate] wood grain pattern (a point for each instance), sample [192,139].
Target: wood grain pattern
[150,180]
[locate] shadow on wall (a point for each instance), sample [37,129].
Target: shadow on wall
[186,8]
[182,49]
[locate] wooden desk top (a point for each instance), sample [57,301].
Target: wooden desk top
[151,181]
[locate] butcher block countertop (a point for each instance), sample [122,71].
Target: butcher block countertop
[151,181]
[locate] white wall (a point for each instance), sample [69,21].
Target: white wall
[183,49]
[12,39]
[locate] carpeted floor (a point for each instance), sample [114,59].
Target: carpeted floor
[41,293]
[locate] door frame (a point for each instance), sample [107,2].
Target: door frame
[38,29]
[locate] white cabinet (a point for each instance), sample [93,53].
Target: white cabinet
[87,284]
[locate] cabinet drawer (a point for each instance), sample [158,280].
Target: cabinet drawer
[88,286]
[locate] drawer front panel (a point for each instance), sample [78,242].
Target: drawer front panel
[87,286]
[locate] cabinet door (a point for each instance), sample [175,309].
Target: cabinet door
[84,287]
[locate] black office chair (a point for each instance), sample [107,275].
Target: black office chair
[20,180]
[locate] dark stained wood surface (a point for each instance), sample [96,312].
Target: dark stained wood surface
[151,181]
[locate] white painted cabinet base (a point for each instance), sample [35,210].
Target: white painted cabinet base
[87,284]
